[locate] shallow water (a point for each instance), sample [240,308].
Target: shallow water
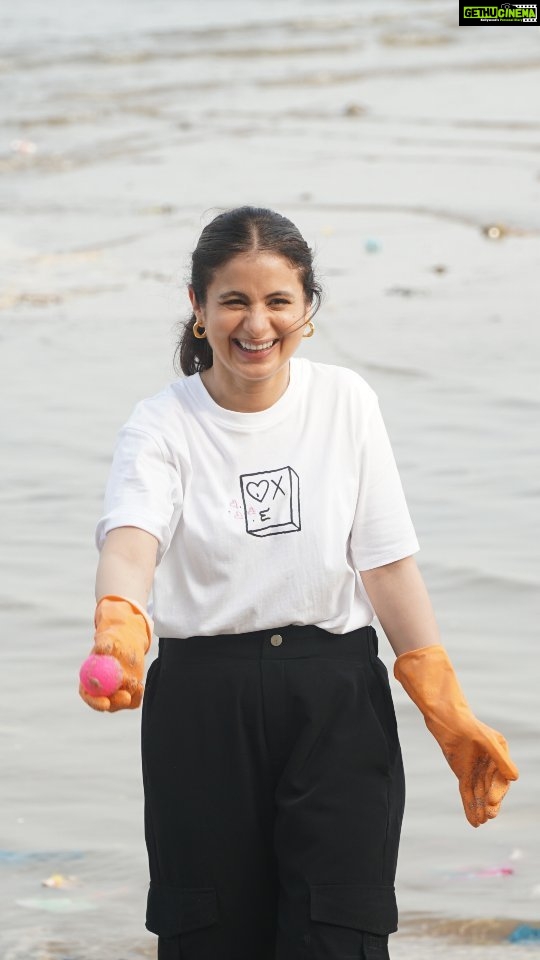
[386,127]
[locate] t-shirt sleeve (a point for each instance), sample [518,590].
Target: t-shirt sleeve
[382,530]
[144,489]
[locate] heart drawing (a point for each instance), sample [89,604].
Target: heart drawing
[254,490]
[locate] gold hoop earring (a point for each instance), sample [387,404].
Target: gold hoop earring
[196,327]
[311,330]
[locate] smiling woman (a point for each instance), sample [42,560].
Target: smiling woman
[259,496]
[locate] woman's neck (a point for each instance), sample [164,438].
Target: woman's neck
[247,396]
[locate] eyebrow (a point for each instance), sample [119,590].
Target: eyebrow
[238,293]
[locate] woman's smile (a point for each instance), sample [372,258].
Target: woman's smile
[255,349]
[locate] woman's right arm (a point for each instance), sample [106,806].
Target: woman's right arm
[126,564]
[123,629]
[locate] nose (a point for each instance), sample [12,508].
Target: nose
[256,323]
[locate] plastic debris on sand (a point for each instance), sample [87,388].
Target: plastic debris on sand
[524,932]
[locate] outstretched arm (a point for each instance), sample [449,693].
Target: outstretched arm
[123,629]
[126,564]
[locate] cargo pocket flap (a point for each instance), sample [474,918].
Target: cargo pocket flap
[174,910]
[361,906]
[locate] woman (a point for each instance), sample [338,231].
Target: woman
[259,497]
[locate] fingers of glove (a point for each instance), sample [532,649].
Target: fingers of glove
[131,684]
[508,769]
[97,703]
[136,697]
[135,660]
[472,790]
[482,798]
[497,747]
[130,658]
[475,812]
[127,699]
[483,769]
[469,803]
[498,788]
[121,700]
[490,773]
[496,794]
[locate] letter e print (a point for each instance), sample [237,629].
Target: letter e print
[271,502]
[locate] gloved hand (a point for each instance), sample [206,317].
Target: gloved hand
[477,754]
[124,631]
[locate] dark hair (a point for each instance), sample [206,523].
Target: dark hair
[241,230]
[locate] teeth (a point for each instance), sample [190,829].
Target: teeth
[259,346]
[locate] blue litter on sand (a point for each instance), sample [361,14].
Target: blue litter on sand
[372,245]
[26,856]
[57,904]
[524,932]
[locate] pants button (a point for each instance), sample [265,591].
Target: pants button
[276,640]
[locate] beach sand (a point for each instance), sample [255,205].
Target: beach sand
[407,151]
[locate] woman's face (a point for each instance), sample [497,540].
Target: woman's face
[255,315]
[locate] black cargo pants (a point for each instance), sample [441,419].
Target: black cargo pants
[274,795]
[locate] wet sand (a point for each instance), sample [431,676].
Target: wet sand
[397,142]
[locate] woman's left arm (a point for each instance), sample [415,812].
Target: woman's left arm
[398,595]
[477,754]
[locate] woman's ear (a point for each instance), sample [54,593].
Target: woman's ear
[193,301]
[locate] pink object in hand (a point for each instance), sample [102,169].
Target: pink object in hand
[101,675]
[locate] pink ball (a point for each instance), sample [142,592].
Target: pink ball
[101,675]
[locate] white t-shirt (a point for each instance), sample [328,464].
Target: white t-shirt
[263,519]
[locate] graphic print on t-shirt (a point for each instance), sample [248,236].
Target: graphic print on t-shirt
[271,502]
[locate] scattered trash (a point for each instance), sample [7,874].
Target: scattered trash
[58,881]
[482,873]
[354,110]
[23,146]
[156,275]
[439,268]
[524,932]
[372,245]
[412,39]
[23,856]
[56,904]
[162,208]
[405,292]
[36,300]
[494,231]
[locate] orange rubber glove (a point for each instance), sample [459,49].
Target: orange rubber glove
[477,754]
[123,630]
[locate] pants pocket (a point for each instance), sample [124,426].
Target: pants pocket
[382,705]
[375,947]
[174,910]
[150,684]
[362,907]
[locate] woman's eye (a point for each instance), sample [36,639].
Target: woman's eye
[233,303]
[279,300]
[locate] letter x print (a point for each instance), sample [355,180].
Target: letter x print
[277,484]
